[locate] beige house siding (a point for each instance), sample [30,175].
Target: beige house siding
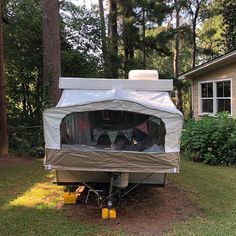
[226,72]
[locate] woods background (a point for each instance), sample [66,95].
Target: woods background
[46,39]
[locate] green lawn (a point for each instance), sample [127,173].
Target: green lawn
[213,188]
[28,202]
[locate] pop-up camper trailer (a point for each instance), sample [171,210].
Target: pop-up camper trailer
[113,131]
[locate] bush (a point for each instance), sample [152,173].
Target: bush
[24,141]
[211,140]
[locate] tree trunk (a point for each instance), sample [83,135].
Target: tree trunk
[176,47]
[3,112]
[113,38]
[103,34]
[143,41]
[127,28]
[128,44]
[112,30]
[179,101]
[38,97]
[194,34]
[51,49]
[193,46]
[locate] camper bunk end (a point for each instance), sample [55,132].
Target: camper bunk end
[118,133]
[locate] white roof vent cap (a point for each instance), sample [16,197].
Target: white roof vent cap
[143,75]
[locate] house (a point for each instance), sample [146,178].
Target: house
[213,86]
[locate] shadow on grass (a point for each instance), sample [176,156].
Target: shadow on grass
[42,221]
[28,203]
[18,177]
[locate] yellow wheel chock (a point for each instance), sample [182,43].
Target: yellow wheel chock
[108,213]
[69,197]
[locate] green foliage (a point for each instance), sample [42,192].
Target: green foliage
[26,92]
[81,51]
[81,31]
[137,17]
[211,140]
[210,37]
[28,141]
[23,73]
[229,12]
[74,64]
[23,61]
[81,46]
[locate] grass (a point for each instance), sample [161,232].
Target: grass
[213,189]
[28,202]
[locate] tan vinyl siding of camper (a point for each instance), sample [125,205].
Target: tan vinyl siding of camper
[223,73]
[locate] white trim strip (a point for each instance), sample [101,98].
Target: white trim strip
[107,84]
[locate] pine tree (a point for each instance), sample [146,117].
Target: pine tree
[3,116]
[113,39]
[229,14]
[193,8]
[51,48]
[103,36]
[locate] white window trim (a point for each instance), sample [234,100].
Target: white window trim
[200,113]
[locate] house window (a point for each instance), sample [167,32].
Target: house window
[207,98]
[215,96]
[223,96]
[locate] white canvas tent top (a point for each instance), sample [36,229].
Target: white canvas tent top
[142,93]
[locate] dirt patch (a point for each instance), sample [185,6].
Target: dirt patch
[12,159]
[145,211]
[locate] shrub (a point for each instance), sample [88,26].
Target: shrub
[24,141]
[211,140]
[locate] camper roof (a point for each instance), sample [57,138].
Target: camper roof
[144,80]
